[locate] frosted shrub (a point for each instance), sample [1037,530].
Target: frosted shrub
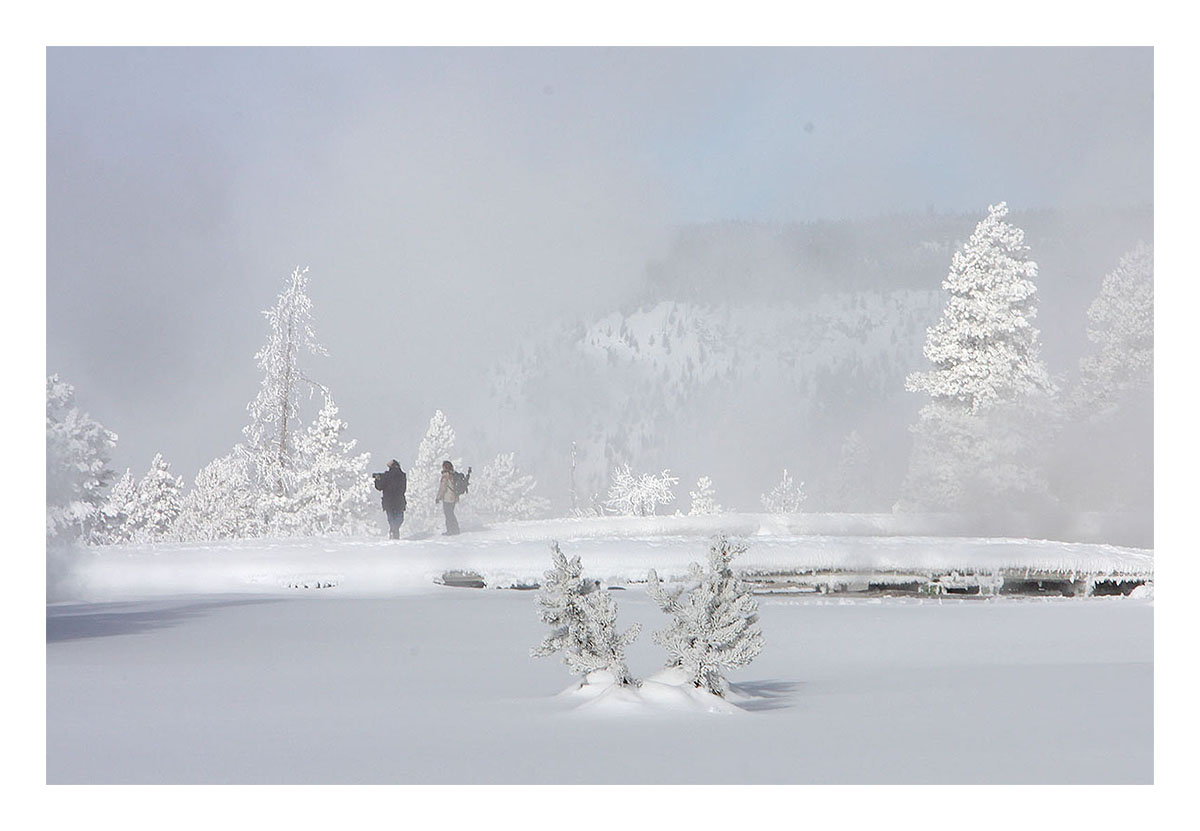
[502,493]
[786,497]
[703,498]
[583,622]
[714,626]
[631,495]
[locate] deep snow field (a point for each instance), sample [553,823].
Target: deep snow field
[319,661]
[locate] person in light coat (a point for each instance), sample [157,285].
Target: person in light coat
[448,497]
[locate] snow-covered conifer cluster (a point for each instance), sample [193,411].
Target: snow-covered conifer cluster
[631,495]
[583,622]
[714,625]
[288,479]
[713,622]
[222,502]
[141,511]
[786,497]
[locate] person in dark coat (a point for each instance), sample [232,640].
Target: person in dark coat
[393,482]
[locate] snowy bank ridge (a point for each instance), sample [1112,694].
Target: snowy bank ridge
[615,550]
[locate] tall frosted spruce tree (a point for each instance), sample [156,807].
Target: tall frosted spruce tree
[272,432]
[975,441]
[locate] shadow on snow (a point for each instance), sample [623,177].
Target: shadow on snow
[107,619]
[765,695]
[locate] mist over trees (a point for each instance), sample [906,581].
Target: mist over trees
[1106,458]
[749,344]
[289,478]
[751,341]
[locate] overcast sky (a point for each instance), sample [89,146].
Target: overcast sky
[494,191]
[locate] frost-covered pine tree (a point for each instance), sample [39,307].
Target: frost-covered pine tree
[501,493]
[77,458]
[786,497]
[156,503]
[436,447]
[631,495]
[1121,325]
[714,625]
[332,489]
[976,441]
[222,503]
[275,412]
[704,498]
[112,525]
[985,348]
[583,622]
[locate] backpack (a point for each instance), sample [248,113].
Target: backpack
[460,482]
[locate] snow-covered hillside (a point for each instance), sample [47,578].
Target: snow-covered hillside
[671,384]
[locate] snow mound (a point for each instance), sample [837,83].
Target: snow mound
[1144,591]
[666,693]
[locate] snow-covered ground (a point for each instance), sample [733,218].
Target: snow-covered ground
[344,662]
[614,550]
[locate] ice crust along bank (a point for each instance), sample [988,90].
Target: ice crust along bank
[618,551]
